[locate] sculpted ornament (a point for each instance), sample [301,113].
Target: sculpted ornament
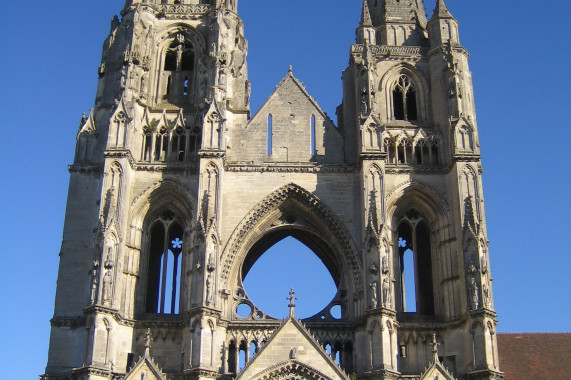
[374,296]
[94,272]
[386,293]
[474,297]
[107,288]
[209,297]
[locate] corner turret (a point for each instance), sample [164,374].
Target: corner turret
[366,32]
[442,27]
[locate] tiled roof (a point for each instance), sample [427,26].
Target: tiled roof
[533,356]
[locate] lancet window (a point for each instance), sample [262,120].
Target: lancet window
[404,100]
[416,293]
[164,265]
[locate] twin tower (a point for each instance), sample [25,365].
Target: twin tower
[176,191]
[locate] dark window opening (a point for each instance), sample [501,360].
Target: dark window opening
[404,100]
[232,354]
[435,159]
[170,61]
[411,104]
[185,87]
[169,80]
[164,269]
[187,60]
[418,154]
[398,104]
[148,145]
[195,142]
[415,259]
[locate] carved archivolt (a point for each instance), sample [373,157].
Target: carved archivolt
[161,194]
[291,370]
[243,236]
[436,202]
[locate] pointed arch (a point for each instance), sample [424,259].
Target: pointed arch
[324,229]
[177,53]
[162,218]
[418,82]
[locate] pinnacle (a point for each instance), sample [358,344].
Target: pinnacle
[366,15]
[441,10]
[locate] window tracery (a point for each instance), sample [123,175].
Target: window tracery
[404,100]
[164,265]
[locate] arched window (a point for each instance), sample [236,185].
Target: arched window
[164,269]
[415,264]
[270,134]
[404,100]
[178,67]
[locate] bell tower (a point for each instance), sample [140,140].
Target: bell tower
[144,193]
[176,191]
[408,94]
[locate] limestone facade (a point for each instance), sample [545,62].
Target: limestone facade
[176,190]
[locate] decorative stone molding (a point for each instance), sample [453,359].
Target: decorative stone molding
[313,205]
[289,168]
[184,9]
[384,51]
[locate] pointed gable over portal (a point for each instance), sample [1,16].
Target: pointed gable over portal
[292,352]
[146,369]
[289,128]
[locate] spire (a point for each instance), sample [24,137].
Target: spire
[441,11]
[366,15]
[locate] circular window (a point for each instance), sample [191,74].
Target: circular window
[336,312]
[243,310]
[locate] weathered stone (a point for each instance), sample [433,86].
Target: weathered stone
[169,168]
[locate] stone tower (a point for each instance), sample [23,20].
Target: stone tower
[175,192]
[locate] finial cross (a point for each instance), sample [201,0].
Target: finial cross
[291,300]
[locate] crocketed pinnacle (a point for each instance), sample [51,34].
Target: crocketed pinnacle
[441,10]
[366,15]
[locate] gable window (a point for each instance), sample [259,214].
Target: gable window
[404,100]
[164,269]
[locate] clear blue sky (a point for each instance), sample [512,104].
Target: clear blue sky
[520,60]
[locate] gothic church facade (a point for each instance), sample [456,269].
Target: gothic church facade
[176,191]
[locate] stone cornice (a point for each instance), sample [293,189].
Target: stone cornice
[440,49]
[204,153]
[289,168]
[422,169]
[384,51]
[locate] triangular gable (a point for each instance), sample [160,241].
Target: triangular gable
[292,349]
[437,372]
[146,369]
[282,91]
